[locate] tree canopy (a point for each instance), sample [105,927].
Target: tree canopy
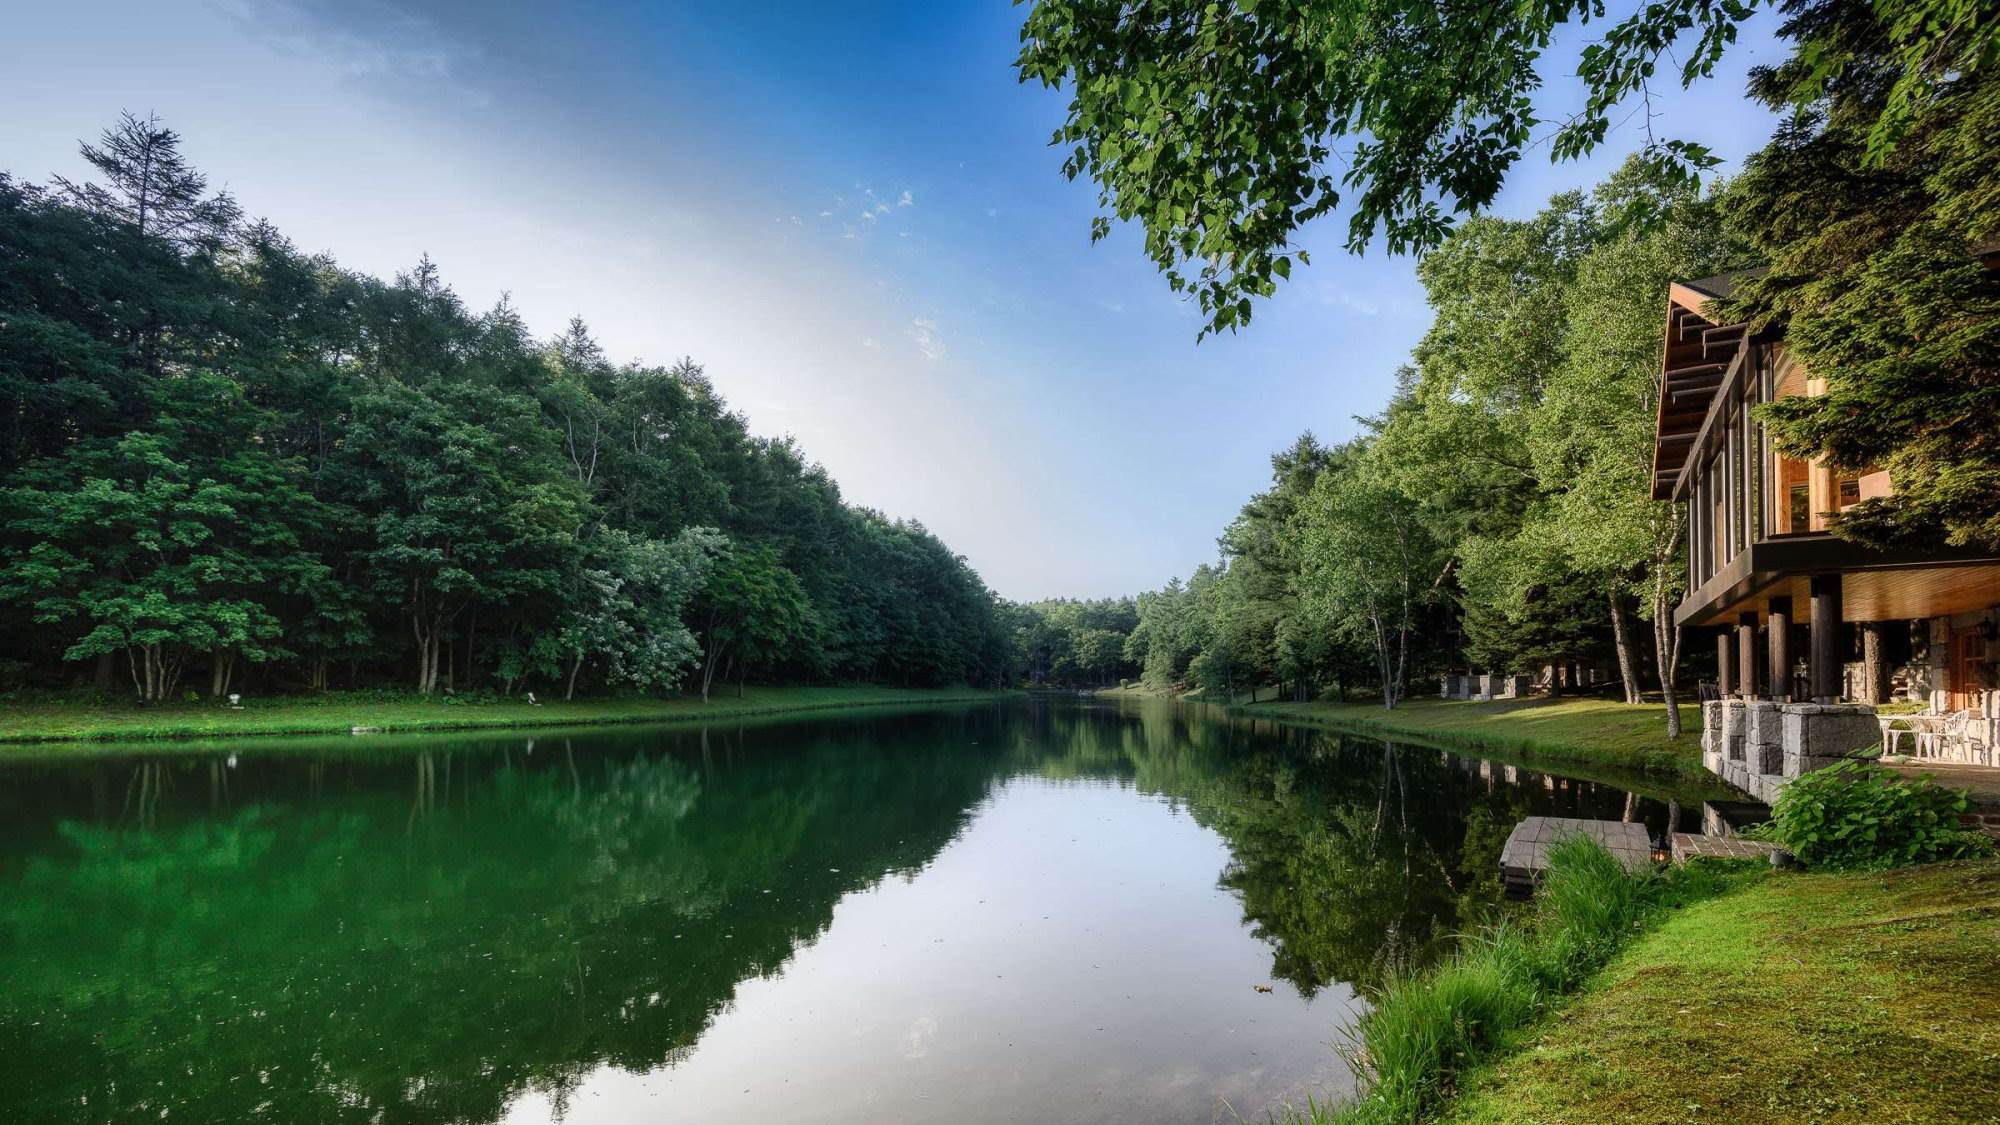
[1224,128]
[219,452]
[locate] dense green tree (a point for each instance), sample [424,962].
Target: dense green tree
[465,507]
[218,451]
[1077,643]
[1371,563]
[624,607]
[749,611]
[161,546]
[1876,273]
[1225,127]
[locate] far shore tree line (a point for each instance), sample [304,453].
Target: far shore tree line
[1495,515]
[225,462]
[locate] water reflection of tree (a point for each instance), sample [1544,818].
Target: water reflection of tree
[1351,856]
[423,937]
[428,947]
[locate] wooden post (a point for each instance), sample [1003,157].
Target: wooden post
[1746,652]
[1826,638]
[1725,649]
[1779,643]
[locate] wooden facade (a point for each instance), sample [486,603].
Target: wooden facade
[1761,558]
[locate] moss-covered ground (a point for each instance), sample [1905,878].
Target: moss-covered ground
[1801,998]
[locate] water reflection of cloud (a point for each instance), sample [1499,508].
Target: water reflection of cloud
[917,1041]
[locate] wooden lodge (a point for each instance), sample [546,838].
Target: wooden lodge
[1807,623]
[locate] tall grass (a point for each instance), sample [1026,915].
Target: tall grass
[1427,1029]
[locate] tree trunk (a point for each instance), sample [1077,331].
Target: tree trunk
[1666,657]
[471,635]
[574,667]
[1628,665]
[221,671]
[1874,670]
[708,672]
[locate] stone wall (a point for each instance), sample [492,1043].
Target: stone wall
[1760,746]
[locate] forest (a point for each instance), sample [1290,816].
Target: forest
[229,465]
[1495,514]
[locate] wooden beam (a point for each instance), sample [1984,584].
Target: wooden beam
[1710,427]
[1695,369]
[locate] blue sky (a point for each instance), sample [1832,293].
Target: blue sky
[849,213]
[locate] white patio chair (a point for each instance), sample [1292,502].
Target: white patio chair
[1944,739]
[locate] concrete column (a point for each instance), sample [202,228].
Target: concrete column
[1725,651]
[1826,638]
[1779,643]
[1746,653]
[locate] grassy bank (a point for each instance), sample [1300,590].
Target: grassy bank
[337,713]
[1862,998]
[1552,732]
[1427,1032]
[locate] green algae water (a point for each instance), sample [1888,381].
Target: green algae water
[1032,911]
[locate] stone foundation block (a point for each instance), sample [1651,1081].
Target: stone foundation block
[1763,737]
[1735,774]
[1765,786]
[1817,735]
[1733,729]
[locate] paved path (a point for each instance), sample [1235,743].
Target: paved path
[1689,845]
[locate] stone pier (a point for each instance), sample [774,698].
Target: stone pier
[1760,746]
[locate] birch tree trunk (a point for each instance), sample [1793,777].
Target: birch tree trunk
[1628,665]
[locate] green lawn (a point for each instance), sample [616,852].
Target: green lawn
[339,713]
[1559,731]
[1840,998]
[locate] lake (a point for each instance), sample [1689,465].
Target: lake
[1032,910]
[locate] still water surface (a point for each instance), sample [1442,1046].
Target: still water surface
[1028,911]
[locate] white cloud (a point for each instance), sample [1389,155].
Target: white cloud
[906,199]
[925,334]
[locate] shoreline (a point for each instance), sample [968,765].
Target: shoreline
[45,727]
[1552,733]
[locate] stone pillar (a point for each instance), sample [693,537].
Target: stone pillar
[1826,661]
[1746,653]
[1725,650]
[1711,735]
[1778,641]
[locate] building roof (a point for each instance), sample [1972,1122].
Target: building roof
[1695,365]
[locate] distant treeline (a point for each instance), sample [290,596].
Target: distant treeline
[230,463]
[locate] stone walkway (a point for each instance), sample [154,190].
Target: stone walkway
[1981,783]
[1689,845]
